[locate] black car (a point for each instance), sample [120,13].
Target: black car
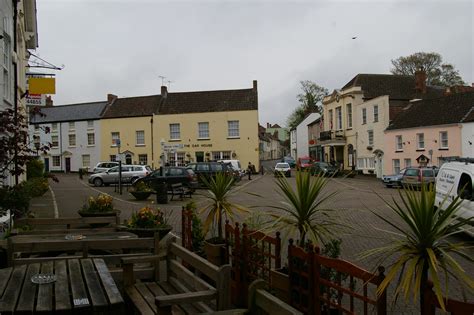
[172,175]
[210,169]
[323,168]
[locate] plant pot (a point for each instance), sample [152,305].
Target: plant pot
[86,214]
[145,232]
[141,195]
[215,253]
[280,283]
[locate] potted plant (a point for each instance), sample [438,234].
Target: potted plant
[100,206]
[147,221]
[141,191]
[218,209]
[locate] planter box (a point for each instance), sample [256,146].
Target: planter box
[141,232]
[86,214]
[215,253]
[280,284]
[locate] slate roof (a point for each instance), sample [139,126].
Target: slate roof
[209,101]
[73,112]
[399,87]
[133,106]
[455,108]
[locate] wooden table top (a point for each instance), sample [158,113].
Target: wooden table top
[37,238]
[82,285]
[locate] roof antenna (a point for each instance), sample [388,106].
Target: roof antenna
[162,80]
[169,84]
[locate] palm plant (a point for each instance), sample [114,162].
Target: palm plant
[219,206]
[302,209]
[422,245]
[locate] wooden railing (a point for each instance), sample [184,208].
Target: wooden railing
[453,307]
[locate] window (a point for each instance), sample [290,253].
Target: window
[90,124]
[86,160]
[396,166]
[221,155]
[37,127]
[399,143]
[330,119]
[140,137]
[112,158]
[203,130]
[54,127]
[364,116]
[349,115]
[90,139]
[420,141]
[338,118]
[376,113]
[233,129]
[6,85]
[175,133]
[7,77]
[407,163]
[56,160]
[371,137]
[72,125]
[443,140]
[176,159]
[115,138]
[72,140]
[54,142]
[143,159]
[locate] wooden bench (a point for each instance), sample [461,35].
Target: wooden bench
[179,190]
[181,288]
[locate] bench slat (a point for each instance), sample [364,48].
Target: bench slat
[10,296]
[185,298]
[203,307]
[108,282]
[170,290]
[147,295]
[157,291]
[26,303]
[78,290]
[187,276]
[61,287]
[196,261]
[138,301]
[92,281]
[45,291]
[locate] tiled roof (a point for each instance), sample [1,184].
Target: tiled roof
[455,108]
[209,101]
[399,87]
[73,112]
[133,106]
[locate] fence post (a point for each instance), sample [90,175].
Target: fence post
[429,300]
[317,277]
[183,227]
[278,251]
[382,298]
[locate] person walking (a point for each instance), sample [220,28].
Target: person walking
[249,170]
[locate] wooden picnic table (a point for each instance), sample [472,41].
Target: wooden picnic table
[87,235]
[82,286]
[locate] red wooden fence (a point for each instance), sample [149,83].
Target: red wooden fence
[452,306]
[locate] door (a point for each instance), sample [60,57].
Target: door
[46,164]
[68,165]
[379,166]
[128,159]
[200,156]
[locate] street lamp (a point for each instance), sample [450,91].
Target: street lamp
[117,142]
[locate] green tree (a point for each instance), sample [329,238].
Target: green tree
[437,72]
[310,101]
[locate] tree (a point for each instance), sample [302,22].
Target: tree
[437,72]
[310,101]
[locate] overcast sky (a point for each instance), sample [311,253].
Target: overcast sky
[122,47]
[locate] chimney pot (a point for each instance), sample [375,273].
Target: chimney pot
[255,85]
[420,81]
[111,98]
[164,91]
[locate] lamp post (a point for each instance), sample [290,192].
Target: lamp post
[120,166]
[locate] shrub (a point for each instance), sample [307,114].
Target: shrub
[36,187]
[34,169]
[16,198]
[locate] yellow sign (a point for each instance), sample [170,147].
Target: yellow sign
[42,85]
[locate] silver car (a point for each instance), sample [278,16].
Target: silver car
[104,166]
[130,173]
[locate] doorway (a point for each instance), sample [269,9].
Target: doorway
[68,164]
[46,164]
[128,159]
[200,156]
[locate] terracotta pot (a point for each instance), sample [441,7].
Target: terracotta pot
[280,284]
[215,253]
[143,232]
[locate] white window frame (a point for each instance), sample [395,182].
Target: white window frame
[396,166]
[443,143]
[112,157]
[54,141]
[376,113]
[233,129]
[420,141]
[175,132]
[330,119]
[54,127]
[56,160]
[115,136]
[203,130]
[140,137]
[143,159]
[349,115]
[370,136]
[398,143]
[90,124]
[86,160]
[72,126]
[364,116]
[72,136]
[338,118]
[89,142]
[407,162]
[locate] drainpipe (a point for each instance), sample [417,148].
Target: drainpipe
[152,155]
[15,105]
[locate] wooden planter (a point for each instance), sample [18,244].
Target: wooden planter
[215,253]
[142,232]
[280,283]
[141,195]
[86,214]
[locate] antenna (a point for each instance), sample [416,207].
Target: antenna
[169,84]
[162,79]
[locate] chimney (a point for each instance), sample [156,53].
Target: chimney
[164,91]
[49,101]
[420,81]
[268,125]
[255,85]
[111,98]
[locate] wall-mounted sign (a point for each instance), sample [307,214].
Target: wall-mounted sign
[41,85]
[36,99]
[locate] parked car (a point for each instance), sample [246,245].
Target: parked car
[417,176]
[236,166]
[394,180]
[290,160]
[303,163]
[323,168]
[282,169]
[457,179]
[104,166]
[210,169]
[130,173]
[171,175]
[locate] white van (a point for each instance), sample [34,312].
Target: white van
[235,165]
[457,179]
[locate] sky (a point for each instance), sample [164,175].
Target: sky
[123,47]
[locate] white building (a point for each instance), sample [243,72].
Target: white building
[467,138]
[74,134]
[302,145]
[293,143]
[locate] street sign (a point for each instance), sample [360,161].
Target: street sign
[120,157]
[174,146]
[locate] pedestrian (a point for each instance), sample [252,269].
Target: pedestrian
[249,170]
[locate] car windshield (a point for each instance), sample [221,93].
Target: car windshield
[282,165]
[412,172]
[323,164]
[304,161]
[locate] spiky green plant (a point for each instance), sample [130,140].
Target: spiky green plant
[421,245]
[219,207]
[302,209]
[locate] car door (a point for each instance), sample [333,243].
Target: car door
[110,175]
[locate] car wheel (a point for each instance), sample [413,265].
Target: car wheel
[98,182]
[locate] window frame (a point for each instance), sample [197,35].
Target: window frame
[175,135]
[84,160]
[73,135]
[364,116]
[376,113]
[138,137]
[339,118]
[441,145]
[54,141]
[394,166]
[349,115]
[203,133]
[117,137]
[420,138]
[398,143]
[56,160]
[232,132]
[370,137]
[88,138]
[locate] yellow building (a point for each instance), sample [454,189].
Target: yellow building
[178,128]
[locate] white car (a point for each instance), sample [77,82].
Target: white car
[104,166]
[457,179]
[282,169]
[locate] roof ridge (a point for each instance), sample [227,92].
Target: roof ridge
[75,104]
[207,91]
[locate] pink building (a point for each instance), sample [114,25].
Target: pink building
[428,131]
